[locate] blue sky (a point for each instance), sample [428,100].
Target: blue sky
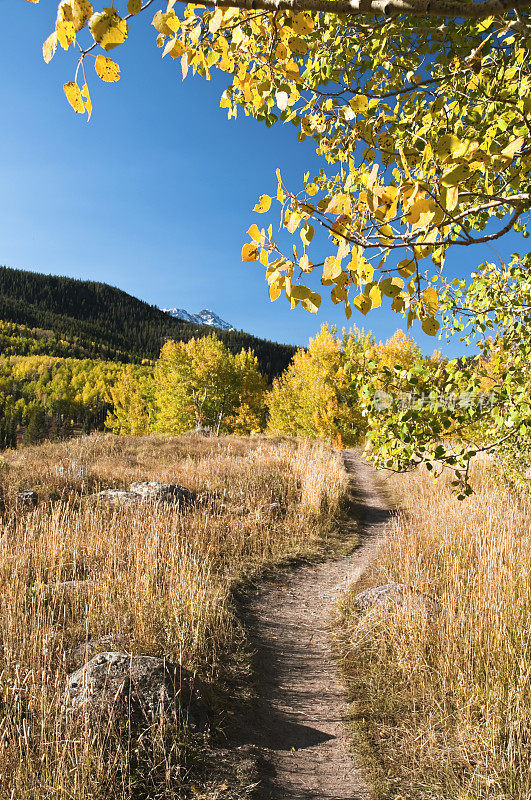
[155,194]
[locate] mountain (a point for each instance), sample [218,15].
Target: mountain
[104,322]
[205,317]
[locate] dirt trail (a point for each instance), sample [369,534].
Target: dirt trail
[298,723]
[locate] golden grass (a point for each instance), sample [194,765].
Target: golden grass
[445,704]
[163,586]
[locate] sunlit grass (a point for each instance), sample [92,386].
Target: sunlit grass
[446,702]
[163,584]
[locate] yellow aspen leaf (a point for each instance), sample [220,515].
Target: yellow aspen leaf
[375,296]
[359,104]
[430,326]
[297,46]
[255,233]
[512,148]
[362,303]
[292,221]
[281,99]
[331,268]
[300,292]
[348,309]
[65,33]
[216,21]
[272,274]
[451,198]
[274,292]
[134,6]
[407,267]
[263,205]
[264,257]
[430,298]
[338,294]
[365,272]
[312,303]
[386,234]
[250,252]
[391,287]
[108,70]
[81,12]
[456,175]
[307,234]
[305,264]
[421,212]
[87,101]
[447,144]
[108,29]
[162,21]
[73,95]
[174,48]
[281,52]
[302,24]
[185,64]
[49,47]
[398,304]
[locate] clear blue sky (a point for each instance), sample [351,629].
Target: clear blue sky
[155,194]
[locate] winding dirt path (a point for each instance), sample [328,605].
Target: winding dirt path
[298,723]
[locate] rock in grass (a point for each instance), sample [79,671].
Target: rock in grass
[392,595]
[155,492]
[116,497]
[137,688]
[147,492]
[27,498]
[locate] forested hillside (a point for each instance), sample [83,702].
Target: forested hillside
[103,322]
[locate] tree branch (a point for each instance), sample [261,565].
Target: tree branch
[478,9]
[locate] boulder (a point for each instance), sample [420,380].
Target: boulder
[137,688]
[155,492]
[27,498]
[147,492]
[117,497]
[391,595]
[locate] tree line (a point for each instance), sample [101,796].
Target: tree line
[199,384]
[102,322]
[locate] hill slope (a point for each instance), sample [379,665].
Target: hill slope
[106,322]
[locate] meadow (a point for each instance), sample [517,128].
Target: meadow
[164,585]
[441,703]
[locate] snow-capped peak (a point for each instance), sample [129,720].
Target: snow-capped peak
[204,317]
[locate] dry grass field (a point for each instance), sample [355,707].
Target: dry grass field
[163,586]
[443,703]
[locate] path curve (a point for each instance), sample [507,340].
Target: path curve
[298,721]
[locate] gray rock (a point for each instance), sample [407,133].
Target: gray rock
[116,497]
[392,595]
[137,688]
[155,492]
[27,498]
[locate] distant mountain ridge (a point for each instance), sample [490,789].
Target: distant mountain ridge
[103,322]
[204,317]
